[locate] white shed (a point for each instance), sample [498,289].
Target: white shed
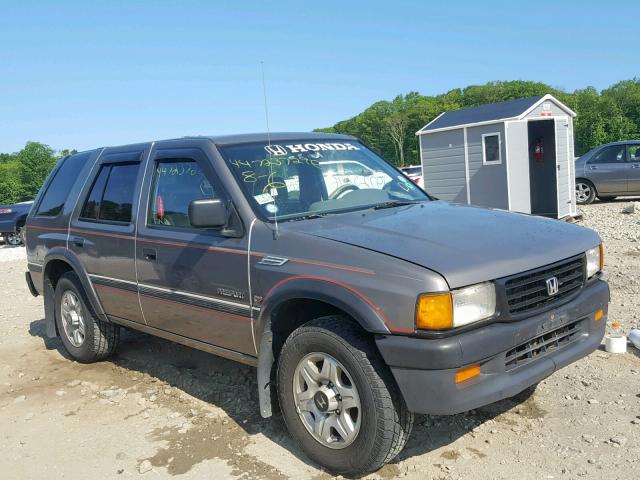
[515,155]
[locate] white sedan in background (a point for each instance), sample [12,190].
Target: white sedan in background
[414,172]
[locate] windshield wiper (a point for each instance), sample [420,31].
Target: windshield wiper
[394,203]
[307,217]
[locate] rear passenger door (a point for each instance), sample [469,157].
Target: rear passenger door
[633,158]
[192,281]
[102,230]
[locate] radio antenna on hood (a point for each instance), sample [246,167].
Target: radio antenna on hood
[270,180]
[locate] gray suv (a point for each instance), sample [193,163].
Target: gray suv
[360,299]
[608,171]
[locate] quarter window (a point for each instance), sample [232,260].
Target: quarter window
[491,149]
[59,188]
[111,196]
[176,184]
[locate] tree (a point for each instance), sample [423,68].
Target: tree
[35,162]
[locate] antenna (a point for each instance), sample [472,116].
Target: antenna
[266,115]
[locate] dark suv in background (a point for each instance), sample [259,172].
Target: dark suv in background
[359,298]
[12,220]
[608,171]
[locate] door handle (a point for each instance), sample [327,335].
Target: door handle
[78,242]
[593,167]
[149,254]
[635,165]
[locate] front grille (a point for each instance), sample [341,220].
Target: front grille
[542,345]
[528,291]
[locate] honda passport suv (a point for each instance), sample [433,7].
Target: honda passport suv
[360,304]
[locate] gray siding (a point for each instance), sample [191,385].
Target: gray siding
[517,145]
[556,110]
[487,183]
[443,165]
[562,148]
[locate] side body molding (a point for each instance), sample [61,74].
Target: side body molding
[300,287]
[60,253]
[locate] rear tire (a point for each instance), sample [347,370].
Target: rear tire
[372,412]
[14,239]
[85,337]
[585,192]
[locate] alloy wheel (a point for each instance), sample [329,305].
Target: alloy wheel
[327,400]
[72,318]
[583,192]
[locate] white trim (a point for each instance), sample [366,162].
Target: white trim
[253,334]
[555,139]
[466,165]
[93,275]
[484,158]
[546,97]
[463,125]
[418,132]
[145,166]
[506,164]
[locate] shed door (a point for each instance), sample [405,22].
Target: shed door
[565,186]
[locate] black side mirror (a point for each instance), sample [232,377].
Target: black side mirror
[208,213]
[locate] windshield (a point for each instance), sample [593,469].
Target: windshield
[302,178]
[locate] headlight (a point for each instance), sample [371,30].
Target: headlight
[441,311]
[595,260]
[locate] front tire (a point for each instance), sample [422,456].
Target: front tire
[585,192]
[85,337]
[339,400]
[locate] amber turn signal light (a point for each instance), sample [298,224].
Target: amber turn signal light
[434,311]
[467,373]
[601,256]
[599,315]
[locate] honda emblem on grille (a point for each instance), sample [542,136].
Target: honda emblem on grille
[552,286]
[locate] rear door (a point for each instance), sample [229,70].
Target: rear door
[102,231]
[633,157]
[192,281]
[608,170]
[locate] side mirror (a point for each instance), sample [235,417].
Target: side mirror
[208,213]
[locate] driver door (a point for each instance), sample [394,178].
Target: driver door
[192,281]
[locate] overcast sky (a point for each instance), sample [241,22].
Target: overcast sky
[78,75]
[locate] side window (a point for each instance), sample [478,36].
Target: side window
[491,148]
[613,154]
[111,196]
[59,188]
[176,184]
[634,153]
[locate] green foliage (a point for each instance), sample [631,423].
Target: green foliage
[607,116]
[22,173]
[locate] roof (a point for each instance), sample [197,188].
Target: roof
[491,112]
[274,137]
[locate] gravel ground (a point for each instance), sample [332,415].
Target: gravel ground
[161,410]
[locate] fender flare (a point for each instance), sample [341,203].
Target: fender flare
[65,255]
[333,292]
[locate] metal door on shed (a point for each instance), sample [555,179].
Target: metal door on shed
[565,185]
[192,281]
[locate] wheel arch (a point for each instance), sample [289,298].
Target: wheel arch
[295,301]
[57,262]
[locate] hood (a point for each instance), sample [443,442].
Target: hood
[464,244]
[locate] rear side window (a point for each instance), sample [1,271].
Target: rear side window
[59,188]
[111,196]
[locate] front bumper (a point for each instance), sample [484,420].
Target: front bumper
[425,368]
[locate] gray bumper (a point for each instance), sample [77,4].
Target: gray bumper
[425,368]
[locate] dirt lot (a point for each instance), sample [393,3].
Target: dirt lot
[160,410]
